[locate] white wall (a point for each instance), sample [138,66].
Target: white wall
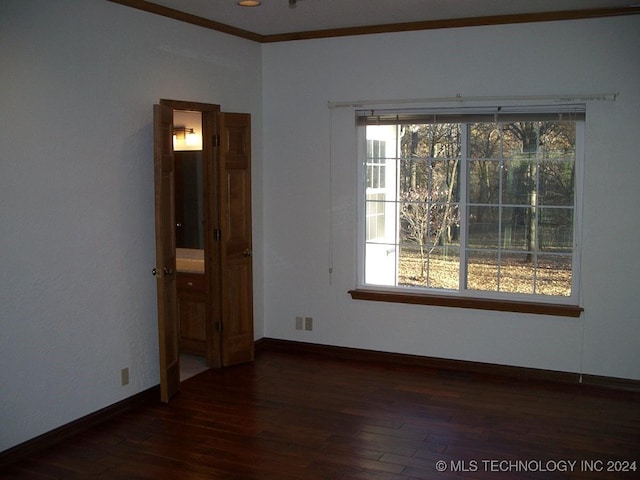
[307,222]
[77,299]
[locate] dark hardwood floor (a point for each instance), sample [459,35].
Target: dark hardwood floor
[296,417]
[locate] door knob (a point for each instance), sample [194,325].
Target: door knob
[247,252]
[166,271]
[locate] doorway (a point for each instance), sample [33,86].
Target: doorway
[203,237]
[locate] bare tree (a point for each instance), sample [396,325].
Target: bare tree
[428,216]
[428,186]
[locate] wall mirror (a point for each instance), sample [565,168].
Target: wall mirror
[189,195]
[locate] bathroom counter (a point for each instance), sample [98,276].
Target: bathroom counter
[189,260]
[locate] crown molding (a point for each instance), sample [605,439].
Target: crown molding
[386,28]
[188,18]
[456,23]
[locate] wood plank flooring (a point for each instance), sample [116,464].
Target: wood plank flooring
[306,417]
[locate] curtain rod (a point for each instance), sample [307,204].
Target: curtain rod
[459,98]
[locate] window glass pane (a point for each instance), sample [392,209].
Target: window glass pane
[515,227]
[446,140]
[484,181]
[415,226]
[484,140]
[518,182]
[375,217]
[380,264]
[429,195]
[557,179]
[445,180]
[445,225]
[555,230]
[554,275]
[558,139]
[381,140]
[520,140]
[444,269]
[429,267]
[424,223]
[415,177]
[412,265]
[483,227]
[482,271]
[433,140]
[430,180]
[376,163]
[517,273]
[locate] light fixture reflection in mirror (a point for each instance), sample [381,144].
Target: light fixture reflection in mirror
[187,131]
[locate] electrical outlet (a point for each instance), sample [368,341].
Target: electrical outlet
[298,323]
[124,376]
[308,323]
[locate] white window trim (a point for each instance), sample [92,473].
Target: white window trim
[477,298]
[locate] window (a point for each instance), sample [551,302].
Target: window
[474,202]
[376,177]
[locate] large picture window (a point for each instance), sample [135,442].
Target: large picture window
[483,202]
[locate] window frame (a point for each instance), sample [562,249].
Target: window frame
[476,299]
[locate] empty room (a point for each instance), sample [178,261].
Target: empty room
[411,252]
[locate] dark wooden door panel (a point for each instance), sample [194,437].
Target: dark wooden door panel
[238,322]
[236,242]
[166,252]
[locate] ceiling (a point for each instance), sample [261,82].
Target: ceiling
[275,17]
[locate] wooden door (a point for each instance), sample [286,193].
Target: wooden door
[168,331]
[236,275]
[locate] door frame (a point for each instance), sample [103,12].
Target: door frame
[209,127]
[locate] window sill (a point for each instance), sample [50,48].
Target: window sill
[468,302]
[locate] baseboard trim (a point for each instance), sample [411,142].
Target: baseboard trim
[611,382]
[443,364]
[48,439]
